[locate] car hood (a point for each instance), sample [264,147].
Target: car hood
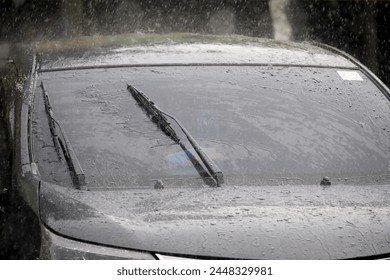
[253,222]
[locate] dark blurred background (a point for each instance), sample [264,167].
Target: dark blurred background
[360,27]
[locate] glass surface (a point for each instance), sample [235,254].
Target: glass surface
[260,125]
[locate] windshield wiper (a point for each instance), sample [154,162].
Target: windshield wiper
[63,143]
[158,116]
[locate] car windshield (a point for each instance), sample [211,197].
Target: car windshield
[262,125]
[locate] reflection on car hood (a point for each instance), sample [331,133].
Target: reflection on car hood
[278,222]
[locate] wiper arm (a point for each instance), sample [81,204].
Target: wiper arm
[158,116]
[64,144]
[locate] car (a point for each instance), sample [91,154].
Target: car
[204,147]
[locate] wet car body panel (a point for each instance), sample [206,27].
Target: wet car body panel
[274,219]
[26,175]
[244,51]
[282,222]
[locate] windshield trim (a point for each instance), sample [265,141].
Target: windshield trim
[89,67]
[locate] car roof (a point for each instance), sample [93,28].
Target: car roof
[168,49]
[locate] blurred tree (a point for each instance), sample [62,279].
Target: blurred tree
[280,19]
[72,17]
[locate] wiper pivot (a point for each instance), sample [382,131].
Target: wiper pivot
[63,143]
[158,116]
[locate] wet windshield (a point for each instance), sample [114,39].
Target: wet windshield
[262,125]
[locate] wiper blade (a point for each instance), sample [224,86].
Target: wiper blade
[158,116]
[63,143]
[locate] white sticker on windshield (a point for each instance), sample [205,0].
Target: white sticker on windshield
[350,75]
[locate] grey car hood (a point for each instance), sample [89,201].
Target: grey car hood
[278,222]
